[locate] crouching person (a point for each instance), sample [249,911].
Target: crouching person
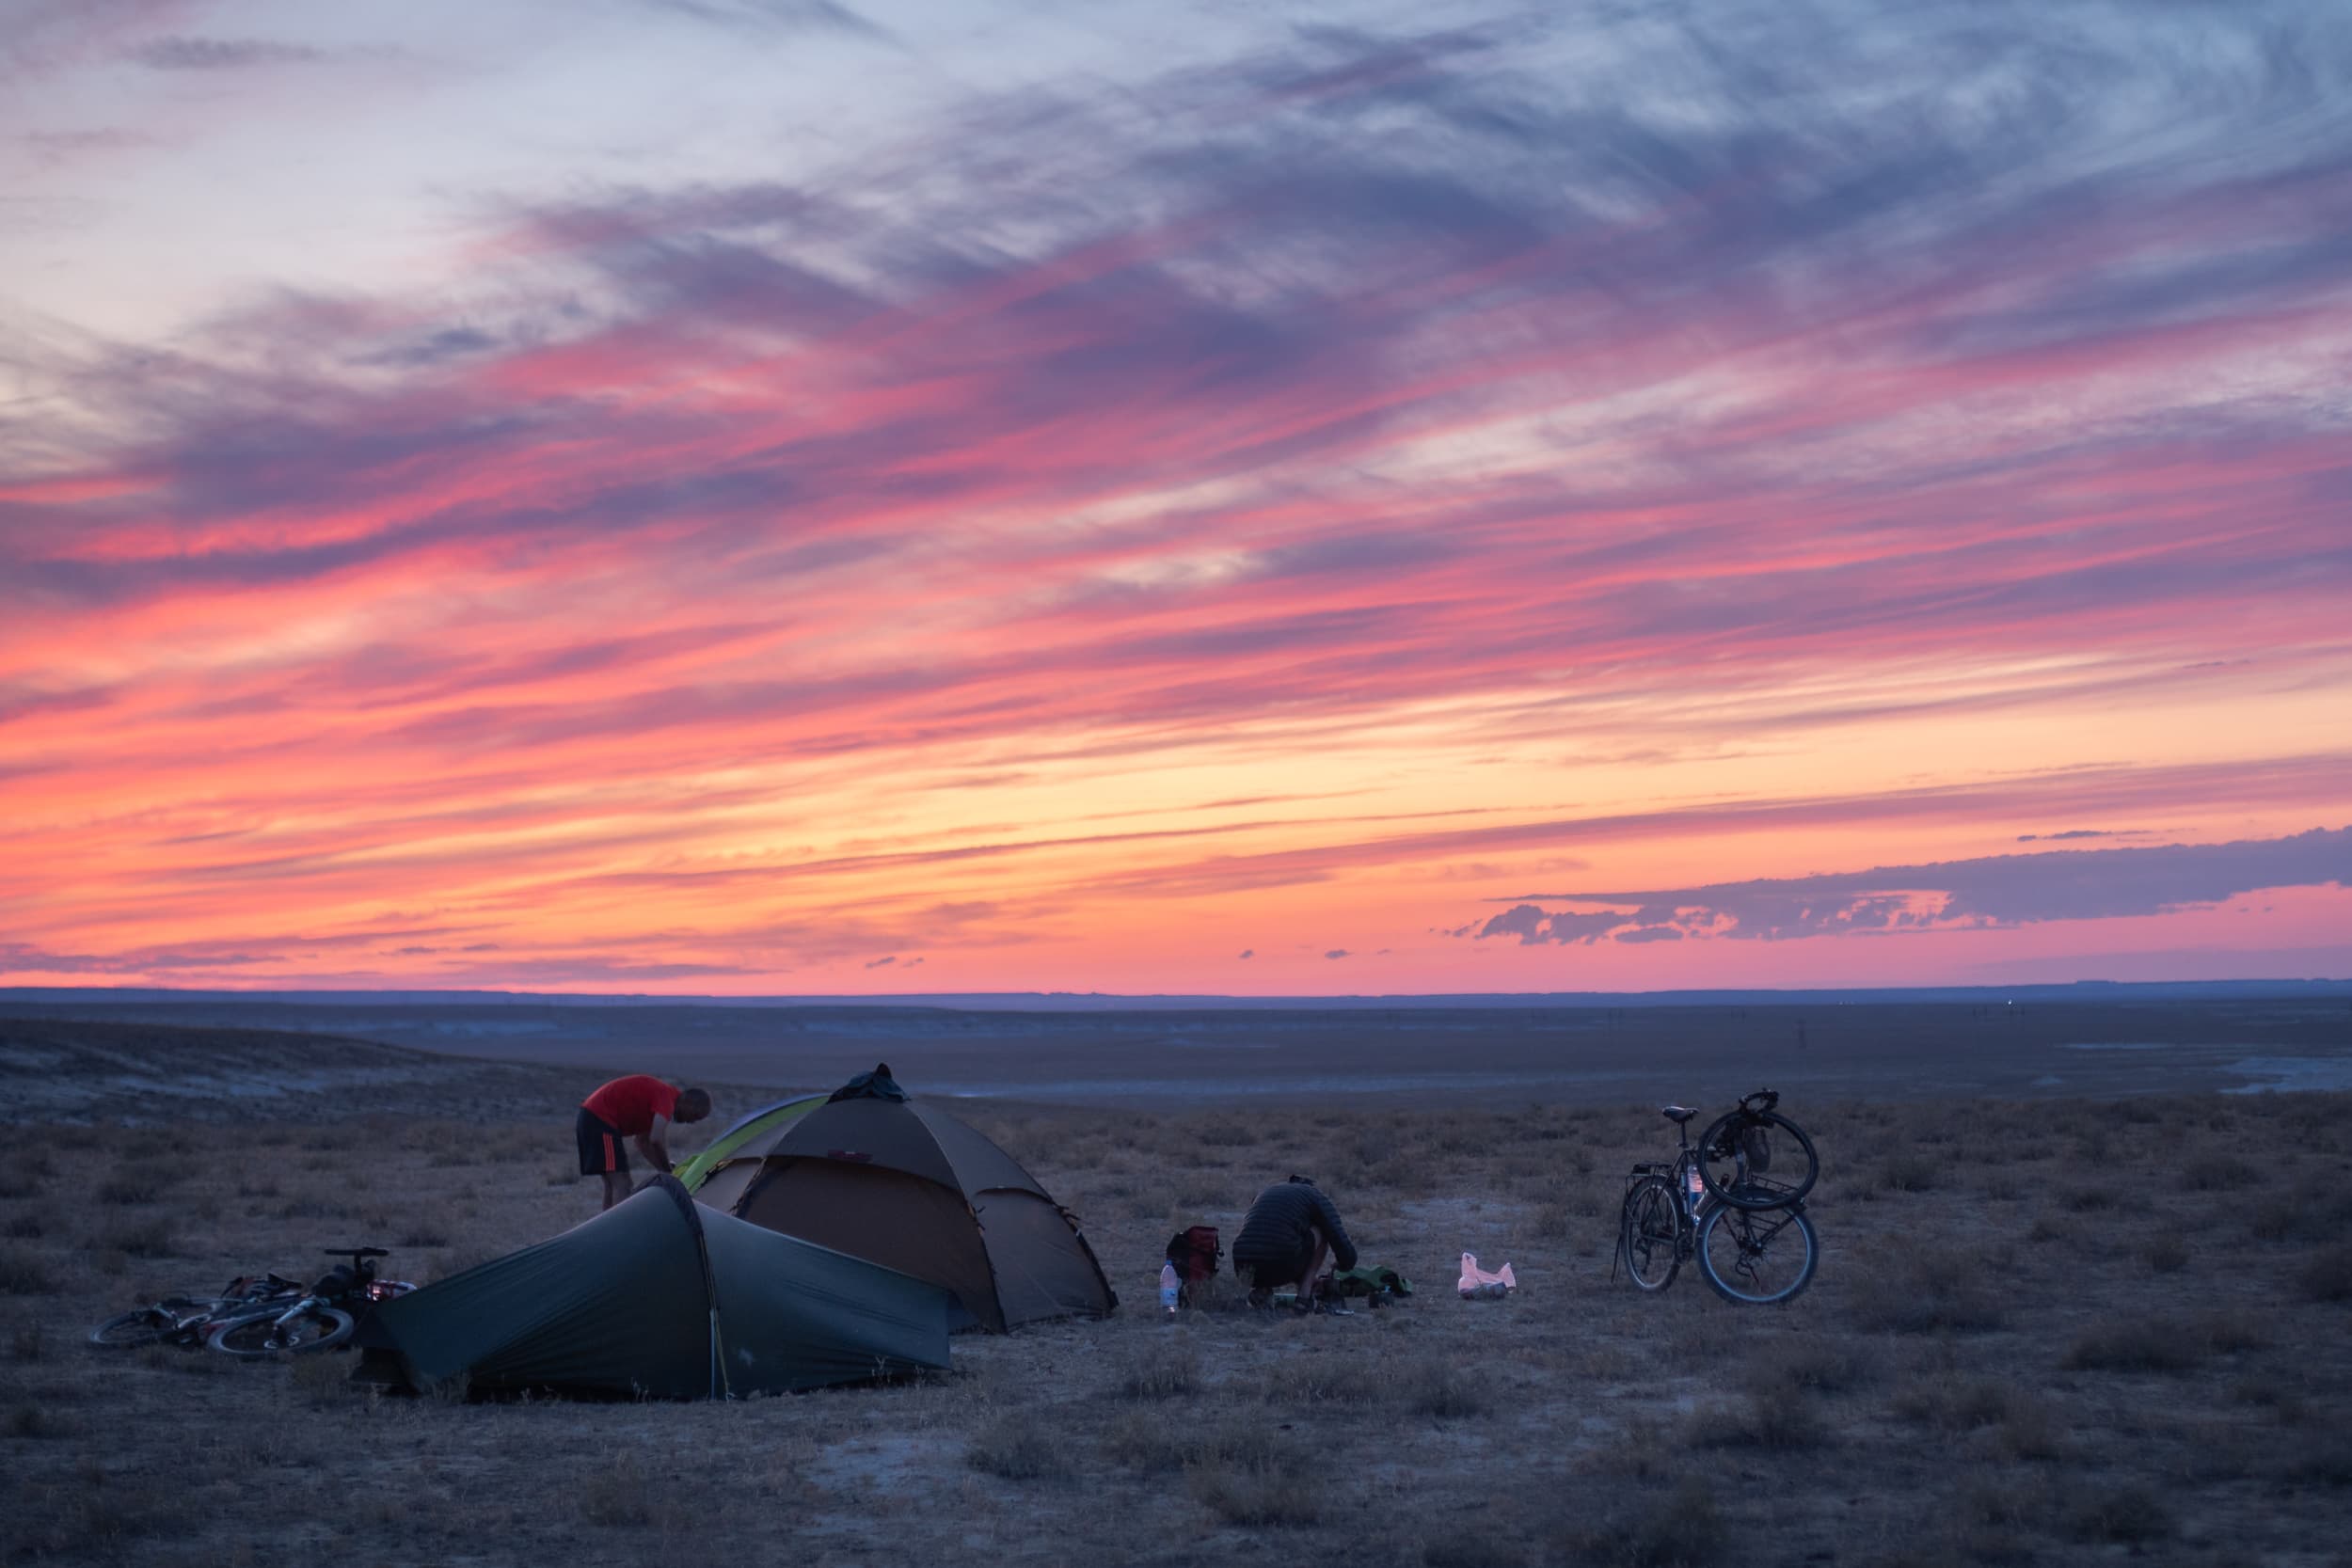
[1291,1234]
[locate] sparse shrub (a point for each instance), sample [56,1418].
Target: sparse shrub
[1908,1171]
[2328,1277]
[2087,1200]
[1163,1372]
[25,1227]
[29,1342]
[2003,1502]
[1228,1134]
[1683,1530]
[2326,1461]
[133,1184]
[38,1421]
[2134,1345]
[1320,1378]
[1953,1292]
[618,1496]
[1809,1365]
[1964,1403]
[2128,1516]
[1017,1447]
[321,1381]
[2230,1332]
[149,1239]
[2219,1173]
[22,1273]
[2168,1254]
[2045,1230]
[424,1234]
[1783,1422]
[1255,1497]
[1471,1546]
[1444,1391]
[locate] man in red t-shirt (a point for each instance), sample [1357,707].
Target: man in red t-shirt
[639,1107]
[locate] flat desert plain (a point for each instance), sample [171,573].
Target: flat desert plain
[2048,1328]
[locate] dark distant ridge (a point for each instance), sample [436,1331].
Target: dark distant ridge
[2078,990]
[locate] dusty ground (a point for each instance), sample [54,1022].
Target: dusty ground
[2048,1332]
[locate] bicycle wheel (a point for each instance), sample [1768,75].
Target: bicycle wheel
[1757,1256]
[131,1330]
[307,1329]
[1786,1172]
[1646,1233]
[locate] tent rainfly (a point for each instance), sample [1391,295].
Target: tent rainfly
[661,1298]
[880,1176]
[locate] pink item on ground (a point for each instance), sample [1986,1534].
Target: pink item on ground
[1478,1284]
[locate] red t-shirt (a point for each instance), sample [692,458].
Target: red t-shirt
[628,1105]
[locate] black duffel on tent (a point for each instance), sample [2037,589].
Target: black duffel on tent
[661,1298]
[880,1176]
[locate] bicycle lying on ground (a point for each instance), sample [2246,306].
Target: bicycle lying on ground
[187,1320]
[321,1318]
[1721,1200]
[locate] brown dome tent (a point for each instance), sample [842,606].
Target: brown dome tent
[882,1177]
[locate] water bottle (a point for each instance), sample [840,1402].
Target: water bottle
[1168,1285]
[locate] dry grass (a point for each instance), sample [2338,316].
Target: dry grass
[2075,1332]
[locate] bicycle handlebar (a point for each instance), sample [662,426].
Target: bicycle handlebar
[1765,1099]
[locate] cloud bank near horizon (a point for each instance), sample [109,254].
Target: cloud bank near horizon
[1991,891]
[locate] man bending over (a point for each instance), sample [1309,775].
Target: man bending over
[1286,1236]
[641,1109]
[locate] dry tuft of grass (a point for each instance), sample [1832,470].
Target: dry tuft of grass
[1681,1529]
[1949,1290]
[149,1238]
[1016,1447]
[1444,1391]
[2134,1345]
[619,1496]
[2129,1515]
[143,1182]
[23,1273]
[1811,1363]
[1163,1372]
[2328,1277]
[1473,1545]
[1785,1422]
[1263,1491]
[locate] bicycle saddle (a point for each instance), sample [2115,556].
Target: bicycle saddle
[357,1252]
[1677,1112]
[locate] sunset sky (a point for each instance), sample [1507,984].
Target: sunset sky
[779,496]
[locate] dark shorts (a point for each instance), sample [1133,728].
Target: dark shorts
[1264,1271]
[600,1146]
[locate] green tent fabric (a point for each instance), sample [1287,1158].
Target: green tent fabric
[768,1118]
[662,1298]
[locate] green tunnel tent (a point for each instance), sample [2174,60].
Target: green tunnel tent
[768,1118]
[879,1174]
[661,1298]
